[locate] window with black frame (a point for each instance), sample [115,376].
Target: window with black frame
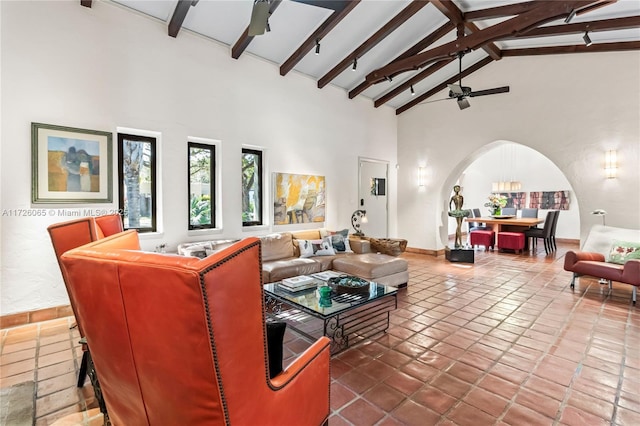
[137,181]
[252,187]
[202,160]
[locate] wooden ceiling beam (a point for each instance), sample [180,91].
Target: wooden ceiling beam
[179,13]
[414,7]
[86,3]
[245,39]
[413,50]
[491,48]
[580,48]
[547,12]
[581,27]
[410,82]
[455,15]
[473,68]
[341,10]
[518,8]
[450,10]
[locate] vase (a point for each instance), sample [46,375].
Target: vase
[496,211]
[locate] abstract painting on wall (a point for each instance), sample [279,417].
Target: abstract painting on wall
[70,165]
[515,199]
[549,200]
[298,198]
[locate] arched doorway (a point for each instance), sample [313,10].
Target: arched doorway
[507,160]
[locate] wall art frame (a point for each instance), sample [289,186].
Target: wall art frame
[298,198]
[70,165]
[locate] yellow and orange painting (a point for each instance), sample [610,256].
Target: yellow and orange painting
[298,198]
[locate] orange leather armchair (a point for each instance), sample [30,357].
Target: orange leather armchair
[66,236]
[74,233]
[182,341]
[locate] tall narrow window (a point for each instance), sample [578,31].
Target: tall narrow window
[137,180]
[202,160]
[251,187]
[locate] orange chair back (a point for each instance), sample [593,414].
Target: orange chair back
[75,233]
[181,340]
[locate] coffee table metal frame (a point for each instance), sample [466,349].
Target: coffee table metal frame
[351,318]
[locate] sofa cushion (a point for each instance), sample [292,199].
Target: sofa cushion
[309,248]
[309,234]
[370,265]
[277,246]
[326,262]
[285,268]
[621,251]
[600,238]
[608,271]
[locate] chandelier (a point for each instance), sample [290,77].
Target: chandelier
[508,156]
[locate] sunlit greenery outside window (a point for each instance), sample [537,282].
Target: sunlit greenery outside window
[251,187]
[202,160]
[137,181]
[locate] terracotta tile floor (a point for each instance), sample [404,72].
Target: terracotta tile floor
[502,341]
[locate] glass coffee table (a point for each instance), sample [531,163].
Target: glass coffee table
[346,318]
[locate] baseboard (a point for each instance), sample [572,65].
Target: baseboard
[23,318]
[568,241]
[427,252]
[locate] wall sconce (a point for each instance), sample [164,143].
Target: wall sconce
[358,217]
[421,177]
[611,164]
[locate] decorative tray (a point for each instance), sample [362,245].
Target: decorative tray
[503,216]
[348,284]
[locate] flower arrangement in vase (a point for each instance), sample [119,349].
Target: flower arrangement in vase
[496,203]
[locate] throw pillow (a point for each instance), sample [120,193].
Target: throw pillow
[340,241]
[621,251]
[321,247]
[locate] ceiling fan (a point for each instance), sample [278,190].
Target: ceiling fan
[460,93]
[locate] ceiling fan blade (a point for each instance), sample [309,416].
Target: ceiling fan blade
[259,17]
[494,91]
[463,103]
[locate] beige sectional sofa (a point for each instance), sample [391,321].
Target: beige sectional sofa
[281,258]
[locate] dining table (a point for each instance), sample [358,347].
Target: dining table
[514,224]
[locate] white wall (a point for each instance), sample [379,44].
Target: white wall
[570,108]
[509,161]
[106,67]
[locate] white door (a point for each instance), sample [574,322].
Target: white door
[373,195]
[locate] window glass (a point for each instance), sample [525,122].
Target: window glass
[201,186]
[137,180]
[251,187]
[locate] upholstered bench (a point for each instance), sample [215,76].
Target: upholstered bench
[381,268]
[511,241]
[482,238]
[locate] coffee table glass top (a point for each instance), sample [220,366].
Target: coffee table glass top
[310,298]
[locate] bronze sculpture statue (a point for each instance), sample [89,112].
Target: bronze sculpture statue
[457,200]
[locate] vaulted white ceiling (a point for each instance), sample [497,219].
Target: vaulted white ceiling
[293,23]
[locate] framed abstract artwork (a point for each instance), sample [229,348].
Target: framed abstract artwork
[70,165]
[550,200]
[298,198]
[515,199]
